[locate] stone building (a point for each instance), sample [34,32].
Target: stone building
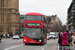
[71,16]
[9,15]
[54,23]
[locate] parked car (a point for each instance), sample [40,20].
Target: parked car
[52,35]
[16,37]
[48,37]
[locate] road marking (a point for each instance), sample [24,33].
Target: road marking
[58,46]
[7,41]
[13,47]
[47,45]
[54,45]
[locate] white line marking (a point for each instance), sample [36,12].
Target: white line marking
[58,46]
[13,47]
[46,45]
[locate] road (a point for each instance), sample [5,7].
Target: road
[10,44]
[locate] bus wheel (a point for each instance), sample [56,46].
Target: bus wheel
[45,43]
[26,43]
[0,41]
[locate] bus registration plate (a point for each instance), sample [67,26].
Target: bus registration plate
[32,42]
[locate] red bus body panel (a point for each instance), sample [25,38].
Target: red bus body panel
[29,40]
[42,24]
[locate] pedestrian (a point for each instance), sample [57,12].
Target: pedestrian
[73,39]
[13,33]
[64,40]
[69,38]
[8,35]
[71,33]
[4,35]
[60,40]
[1,36]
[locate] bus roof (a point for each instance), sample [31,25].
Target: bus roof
[34,13]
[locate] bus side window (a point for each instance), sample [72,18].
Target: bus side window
[45,31]
[45,20]
[41,30]
[42,18]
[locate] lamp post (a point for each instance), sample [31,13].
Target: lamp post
[5,31]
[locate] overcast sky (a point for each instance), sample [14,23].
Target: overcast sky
[46,7]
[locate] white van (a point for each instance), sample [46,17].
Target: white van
[52,35]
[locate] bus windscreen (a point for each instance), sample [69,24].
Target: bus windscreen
[33,32]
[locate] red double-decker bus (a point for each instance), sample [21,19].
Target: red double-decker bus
[35,28]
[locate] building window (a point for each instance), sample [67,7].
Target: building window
[73,7]
[73,4]
[73,10]
[7,3]
[8,18]
[3,17]
[73,13]
[1,28]
[2,3]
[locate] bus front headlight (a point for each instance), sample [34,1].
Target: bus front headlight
[39,40]
[24,39]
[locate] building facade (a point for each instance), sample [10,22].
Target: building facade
[71,16]
[54,23]
[21,20]
[9,16]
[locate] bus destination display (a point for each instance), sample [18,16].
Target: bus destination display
[32,24]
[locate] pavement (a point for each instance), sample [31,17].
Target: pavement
[10,44]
